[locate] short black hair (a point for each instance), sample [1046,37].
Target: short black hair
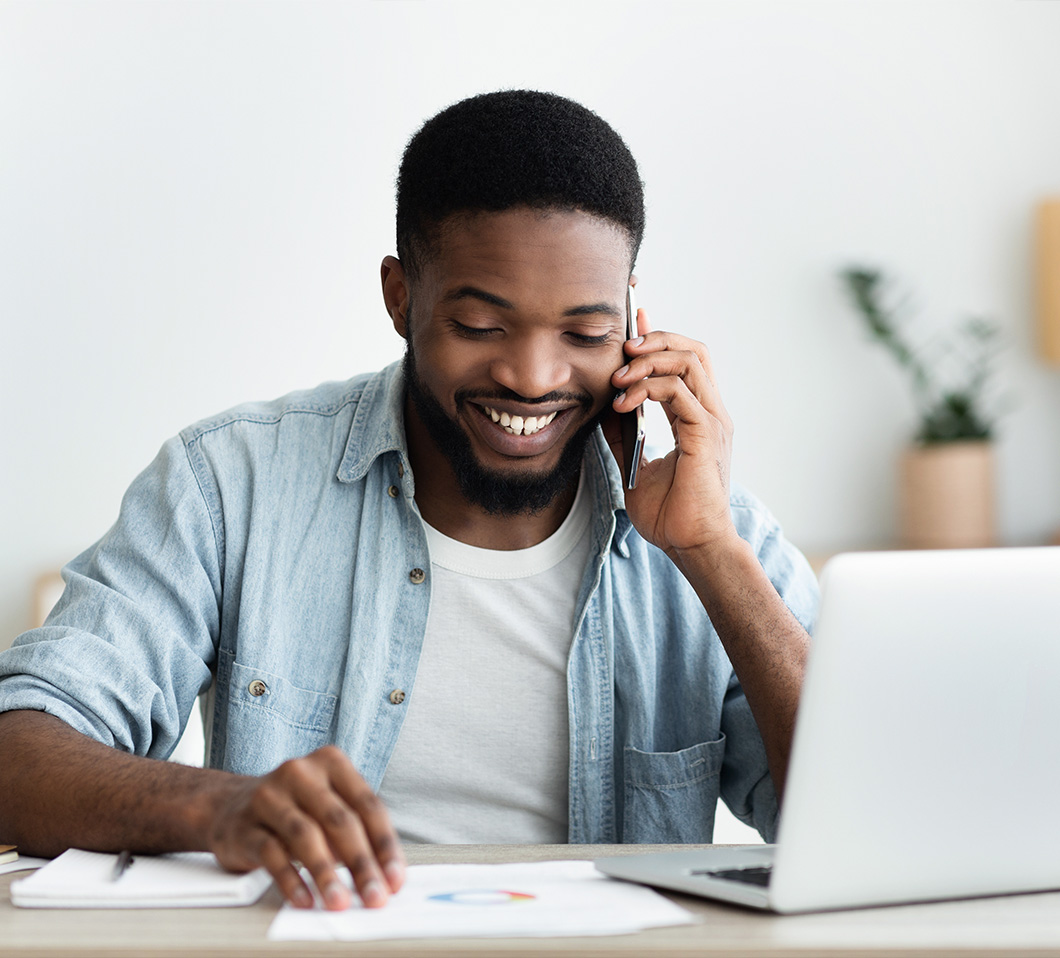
[512,148]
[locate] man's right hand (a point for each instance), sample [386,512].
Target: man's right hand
[60,789]
[318,811]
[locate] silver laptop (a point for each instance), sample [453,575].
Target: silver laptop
[926,760]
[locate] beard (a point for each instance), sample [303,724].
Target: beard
[506,493]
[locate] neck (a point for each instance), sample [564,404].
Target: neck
[443,506]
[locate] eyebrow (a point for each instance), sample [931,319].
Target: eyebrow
[473,292]
[594,309]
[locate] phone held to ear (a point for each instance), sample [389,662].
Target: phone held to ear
[632,422]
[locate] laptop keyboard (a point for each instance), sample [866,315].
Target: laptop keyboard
[758,875]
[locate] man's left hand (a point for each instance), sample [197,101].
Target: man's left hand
[682,500]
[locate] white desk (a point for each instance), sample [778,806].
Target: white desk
[1026,925]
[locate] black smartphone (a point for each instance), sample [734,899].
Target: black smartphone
[632,422]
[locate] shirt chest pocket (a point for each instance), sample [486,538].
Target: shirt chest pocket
[271,720]
[671,796]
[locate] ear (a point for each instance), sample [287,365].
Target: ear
[395,293]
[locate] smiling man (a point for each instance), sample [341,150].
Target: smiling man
[421,601]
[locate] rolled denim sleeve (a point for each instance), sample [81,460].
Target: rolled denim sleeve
[746,784]
[132,641]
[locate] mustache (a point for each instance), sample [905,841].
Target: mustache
[556,396]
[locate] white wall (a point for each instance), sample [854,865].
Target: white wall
[194,199]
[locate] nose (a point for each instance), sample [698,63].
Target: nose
[530,366]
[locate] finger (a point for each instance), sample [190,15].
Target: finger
[387,853]
[352,847]
[661,341]
[685,364]
[288,879]
[280,810]
[349,842]
[643,328]
[674,393]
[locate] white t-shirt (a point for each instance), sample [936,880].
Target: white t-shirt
[483,753]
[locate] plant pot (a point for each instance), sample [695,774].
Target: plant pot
[947,496]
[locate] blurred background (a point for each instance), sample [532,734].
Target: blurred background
[195,197]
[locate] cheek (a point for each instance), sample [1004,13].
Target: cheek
[444,363]
[597,373]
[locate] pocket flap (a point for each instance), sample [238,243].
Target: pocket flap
[674,769]
[300,708]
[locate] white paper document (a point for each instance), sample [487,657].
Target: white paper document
[539,900]
[80,879]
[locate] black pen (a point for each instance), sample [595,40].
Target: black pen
[125,859]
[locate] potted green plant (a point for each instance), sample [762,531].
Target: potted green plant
[947,473]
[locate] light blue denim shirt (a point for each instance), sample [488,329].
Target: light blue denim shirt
[274,555]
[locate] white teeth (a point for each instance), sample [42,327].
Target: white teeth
[517,425]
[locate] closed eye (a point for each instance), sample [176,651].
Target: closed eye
[471,332]
[583,340]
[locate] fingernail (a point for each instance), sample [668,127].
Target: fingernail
[302,898]
[637,341]
[395,873]
[373,894]
[619,398]
[336,897]
[623,370]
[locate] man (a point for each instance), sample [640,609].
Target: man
[425,590]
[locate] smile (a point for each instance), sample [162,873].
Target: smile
[518,425]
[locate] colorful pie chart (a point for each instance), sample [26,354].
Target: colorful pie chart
[482,896]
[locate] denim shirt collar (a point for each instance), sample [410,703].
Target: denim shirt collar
[606,477]
[379,427]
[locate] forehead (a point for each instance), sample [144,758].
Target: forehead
[528,247]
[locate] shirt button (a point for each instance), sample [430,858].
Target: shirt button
[401,469]
[416,576]
[393,492]
[397,696]
[257,687]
